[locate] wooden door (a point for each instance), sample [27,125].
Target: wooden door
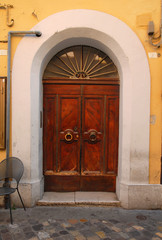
[80,137]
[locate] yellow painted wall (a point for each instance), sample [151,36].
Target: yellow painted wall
[135,13]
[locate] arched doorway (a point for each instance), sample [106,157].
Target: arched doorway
[117,40]
[81,118]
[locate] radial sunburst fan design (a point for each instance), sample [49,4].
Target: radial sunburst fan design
[82,62]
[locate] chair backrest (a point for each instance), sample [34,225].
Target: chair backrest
[11,167]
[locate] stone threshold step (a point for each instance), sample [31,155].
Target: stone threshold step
[79,198]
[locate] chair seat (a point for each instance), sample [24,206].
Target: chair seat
[6,190]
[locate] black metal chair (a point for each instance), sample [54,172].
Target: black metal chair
[11,168]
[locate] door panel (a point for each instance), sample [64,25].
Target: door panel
[93,113]
[68,125]
[92,158]
[109,90]
[62,183]
[112,134]
[98,183]
[93,120]
[49,131]
[80,137]
[69,114]
[68,157]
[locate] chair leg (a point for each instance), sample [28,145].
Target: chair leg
[21,199]
[10,209]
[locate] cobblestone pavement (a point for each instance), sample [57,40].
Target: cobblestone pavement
[81,223]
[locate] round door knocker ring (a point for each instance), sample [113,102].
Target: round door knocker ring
[93,136]
[68,137]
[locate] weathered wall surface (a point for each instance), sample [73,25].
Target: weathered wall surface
[136,14]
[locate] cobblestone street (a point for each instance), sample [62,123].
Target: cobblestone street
[81,223]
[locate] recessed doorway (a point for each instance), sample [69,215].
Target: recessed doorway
[80,121]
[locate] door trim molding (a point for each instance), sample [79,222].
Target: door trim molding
[116,39]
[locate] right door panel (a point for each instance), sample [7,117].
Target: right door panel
[99,150]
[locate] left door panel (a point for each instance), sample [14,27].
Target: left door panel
[61,130]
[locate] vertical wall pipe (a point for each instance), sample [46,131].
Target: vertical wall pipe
[8,96]
[161,90]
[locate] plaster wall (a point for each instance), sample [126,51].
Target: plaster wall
[117,40]
[136,14]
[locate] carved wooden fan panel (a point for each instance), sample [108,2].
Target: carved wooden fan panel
[81,62]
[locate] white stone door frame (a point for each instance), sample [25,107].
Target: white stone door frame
[117,40]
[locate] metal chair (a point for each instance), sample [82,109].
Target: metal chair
[11,168]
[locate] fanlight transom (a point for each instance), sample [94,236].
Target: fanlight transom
[81,62]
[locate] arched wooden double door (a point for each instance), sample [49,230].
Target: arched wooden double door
[80,121]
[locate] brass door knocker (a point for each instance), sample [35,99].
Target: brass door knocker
[92,136]
[68,137]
